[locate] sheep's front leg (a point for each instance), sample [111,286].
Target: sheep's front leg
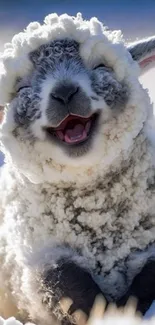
[68,277]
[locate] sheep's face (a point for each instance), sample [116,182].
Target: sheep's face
[65,103]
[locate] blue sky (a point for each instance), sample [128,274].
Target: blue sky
[135,17]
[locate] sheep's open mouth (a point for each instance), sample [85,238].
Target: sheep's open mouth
[74,129]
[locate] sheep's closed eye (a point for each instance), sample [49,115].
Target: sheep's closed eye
[100,66]
[103,67]
[22,88]
[22,84]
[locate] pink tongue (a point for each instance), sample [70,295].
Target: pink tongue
[76,134]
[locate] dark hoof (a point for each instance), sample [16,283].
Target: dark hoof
[69,280]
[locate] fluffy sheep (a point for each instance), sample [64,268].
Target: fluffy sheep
[77,195]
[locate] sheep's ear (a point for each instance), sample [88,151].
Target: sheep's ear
[144,53]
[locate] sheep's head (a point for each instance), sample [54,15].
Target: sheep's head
[70,86]
[63,101]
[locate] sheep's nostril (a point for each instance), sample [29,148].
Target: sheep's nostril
[54,96]
[73,92]
[64,93]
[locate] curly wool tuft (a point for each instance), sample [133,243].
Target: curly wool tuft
[94,39]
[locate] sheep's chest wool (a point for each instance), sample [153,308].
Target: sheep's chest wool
[107,219]
[78,187]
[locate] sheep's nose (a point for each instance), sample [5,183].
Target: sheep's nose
[64,93]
